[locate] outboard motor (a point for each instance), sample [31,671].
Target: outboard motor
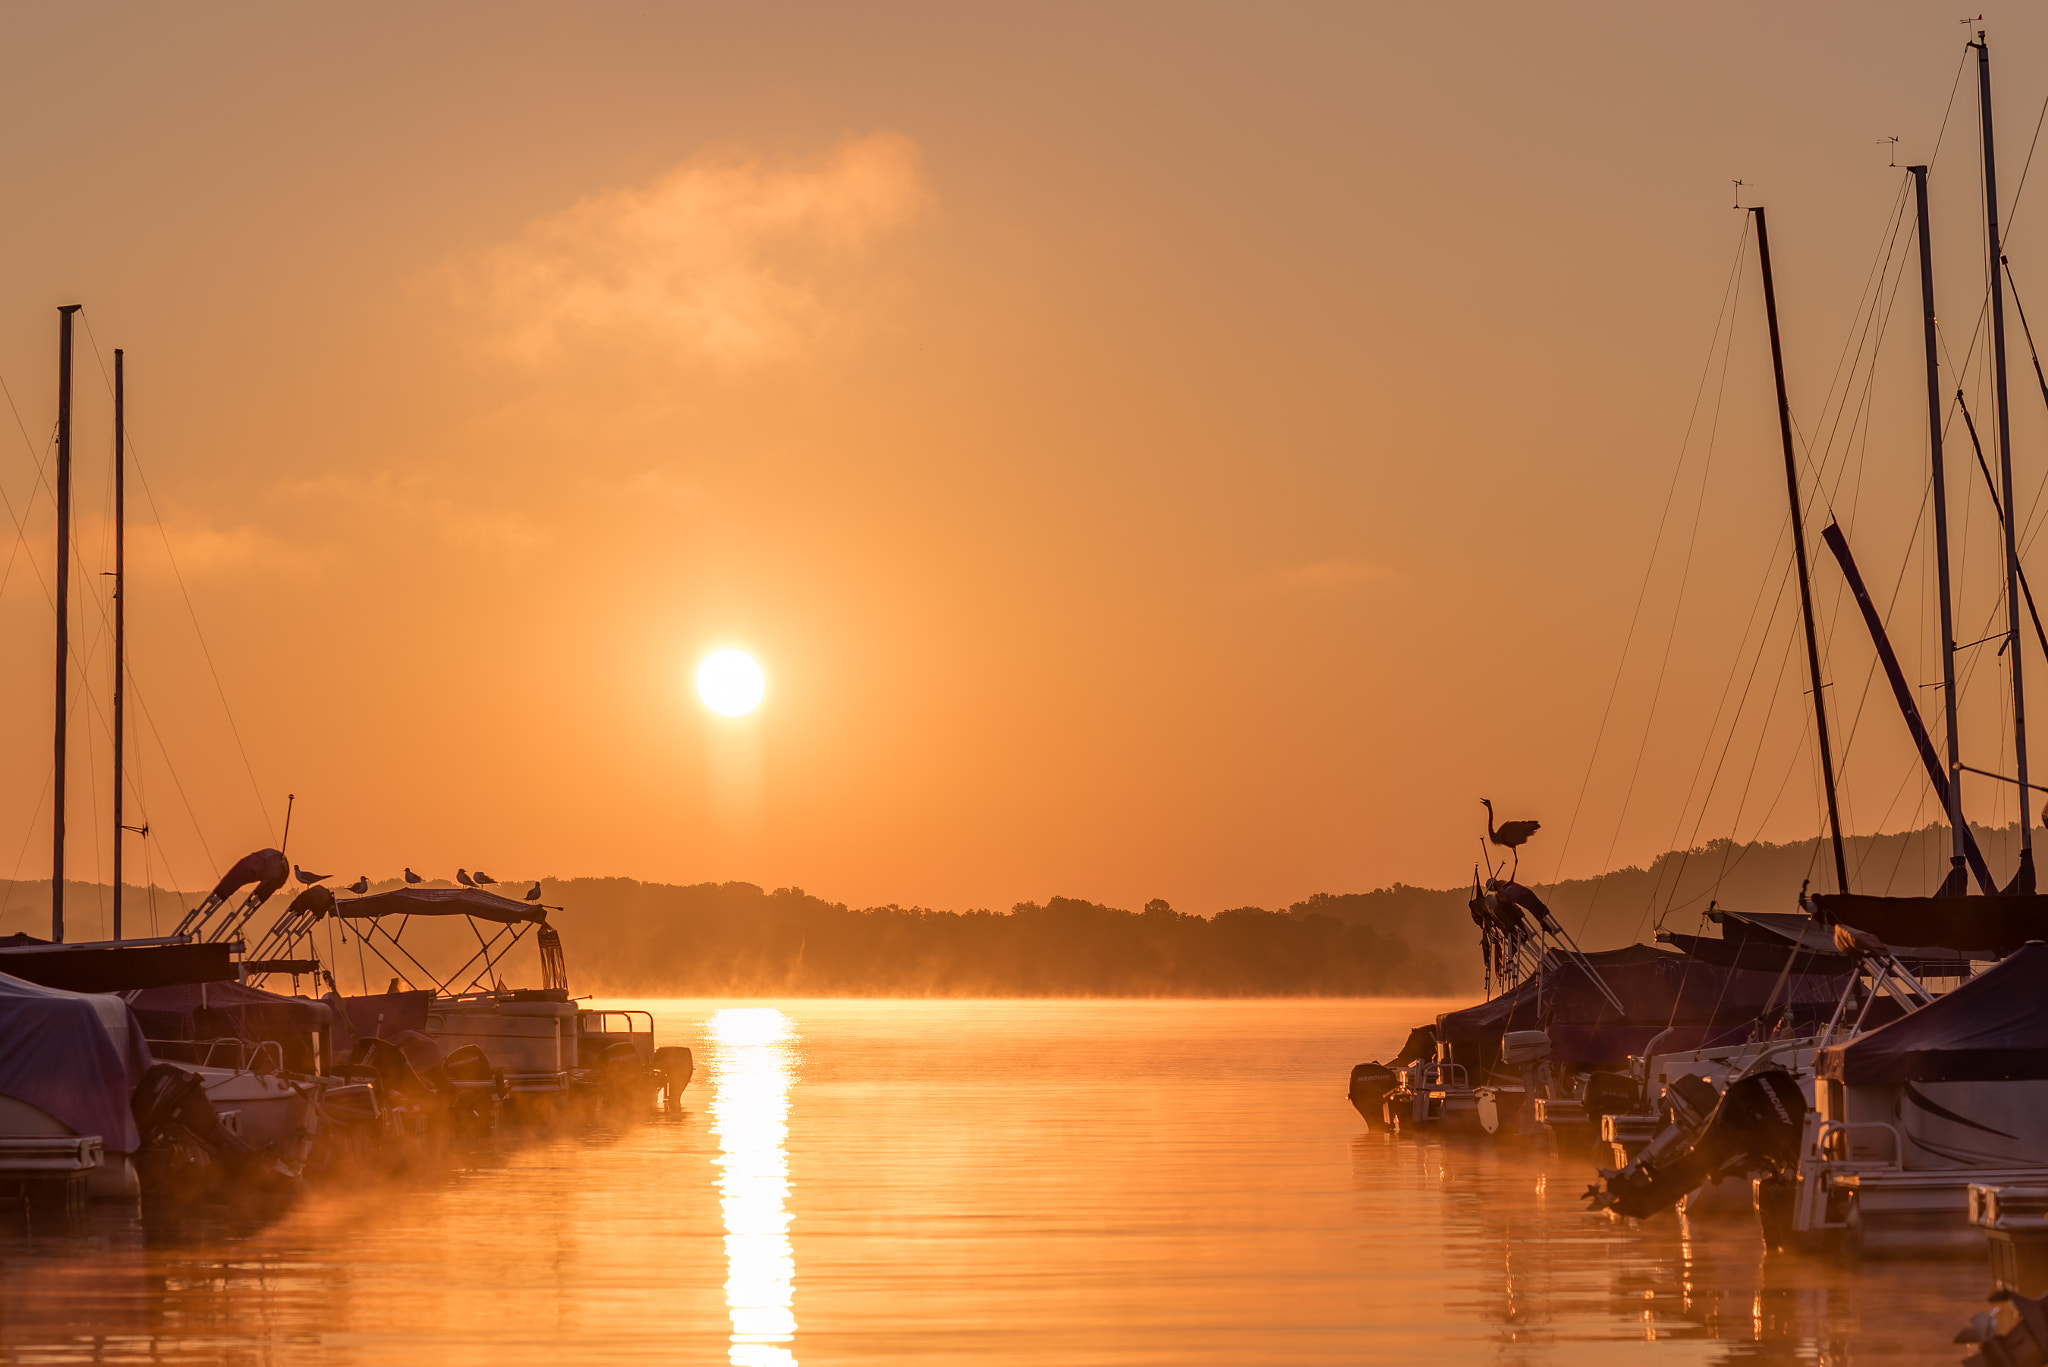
[1610,1094]
[473,1086]
[674,1065]
[2023,1345]
[186,1151]
[1752,1130]
[1370,1083]
[1528,1052]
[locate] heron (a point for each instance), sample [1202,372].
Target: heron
[1509,835]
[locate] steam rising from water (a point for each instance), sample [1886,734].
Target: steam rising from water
[751,1064]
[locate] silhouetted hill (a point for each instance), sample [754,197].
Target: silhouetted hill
[733,938]
[723,939]
[1629,905]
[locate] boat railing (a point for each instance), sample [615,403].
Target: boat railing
[1445,1075]
[246,1056]
[1829,1129]
[599,1022]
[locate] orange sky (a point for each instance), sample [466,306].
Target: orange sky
[1172,451]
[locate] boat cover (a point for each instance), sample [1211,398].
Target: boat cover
[1763,955]
[269,870]
[1699,1004]
[1992,1027]
[1987,926]
[74,1055]
[212,1010]
[1766,940]
[475,902]
[384,1015]
[115,967]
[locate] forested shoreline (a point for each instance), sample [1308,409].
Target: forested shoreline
[626,937]
[737,939]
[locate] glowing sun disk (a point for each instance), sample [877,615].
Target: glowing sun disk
[730,683]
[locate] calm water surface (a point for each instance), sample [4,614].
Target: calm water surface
[1003,1182]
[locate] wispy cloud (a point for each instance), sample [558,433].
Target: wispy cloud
[1336,575]
[726,259]
[419,504]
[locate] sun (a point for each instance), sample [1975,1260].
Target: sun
[730,683]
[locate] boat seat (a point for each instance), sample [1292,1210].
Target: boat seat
[51,1168]
[49,1156]
[2015,1206]
[1945,1189]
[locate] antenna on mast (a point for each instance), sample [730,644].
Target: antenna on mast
[1892,152]
[1738,192]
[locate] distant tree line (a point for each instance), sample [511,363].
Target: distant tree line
[715,939]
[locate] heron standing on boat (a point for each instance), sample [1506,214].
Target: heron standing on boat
[1509,835]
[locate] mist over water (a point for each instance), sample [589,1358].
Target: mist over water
[1009,1182]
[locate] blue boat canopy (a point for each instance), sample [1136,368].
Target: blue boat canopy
[74,1056]
[486,906]
[1993,1027]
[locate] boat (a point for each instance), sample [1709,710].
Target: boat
[73,1061]
[1913,1113]
[1843,943]
[543,1048]
[198,1081]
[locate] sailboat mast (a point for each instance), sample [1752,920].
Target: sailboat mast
[1820,710]
[64,313]
[2024,879]
[120,602]
[1940,477]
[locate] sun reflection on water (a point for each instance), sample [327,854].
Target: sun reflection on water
[752,1061]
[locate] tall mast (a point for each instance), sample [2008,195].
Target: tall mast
[1820,709]
[121,603]
[2023,880]
[63,608]
[1948,635]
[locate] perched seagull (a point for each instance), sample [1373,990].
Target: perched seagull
[412,877]
[462,877]
[308,878]
[360,886]
[533,893]
[482,879]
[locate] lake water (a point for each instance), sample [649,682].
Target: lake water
[1028,1182]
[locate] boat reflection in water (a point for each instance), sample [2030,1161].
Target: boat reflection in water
[751,1059]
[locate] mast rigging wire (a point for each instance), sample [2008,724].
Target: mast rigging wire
[184,592]
[1656,544]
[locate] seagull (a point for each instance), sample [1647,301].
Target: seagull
[412,877]
[360,886]
[462,877]
[482,879]
[309,878]
[533,893]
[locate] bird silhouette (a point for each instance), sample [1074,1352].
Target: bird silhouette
[360,886]
[462,877]
[412,877]
[533,893]
[483,879]
[1511,835]
[308,878]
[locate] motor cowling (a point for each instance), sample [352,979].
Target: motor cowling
[1752,1130]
